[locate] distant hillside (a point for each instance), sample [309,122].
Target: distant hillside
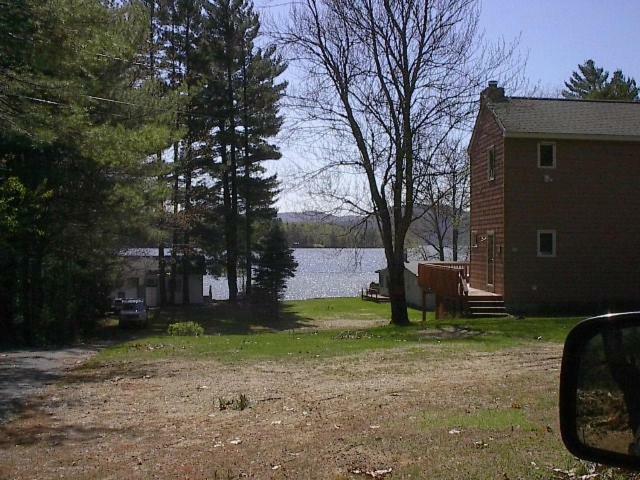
[315,229]
[318,217]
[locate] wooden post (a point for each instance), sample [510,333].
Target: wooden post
[424,306]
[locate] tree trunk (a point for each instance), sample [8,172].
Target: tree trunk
[162,291]
[232,230]
[174,240]
[454,243]
[185,253]
[229,227]
[248,260]
[399,315]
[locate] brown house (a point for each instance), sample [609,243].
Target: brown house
[555,203]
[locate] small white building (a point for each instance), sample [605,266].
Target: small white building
[413,291]
[139,277]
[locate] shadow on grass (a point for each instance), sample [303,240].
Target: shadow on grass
[40,429]
[233,319]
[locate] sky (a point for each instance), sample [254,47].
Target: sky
[555,36]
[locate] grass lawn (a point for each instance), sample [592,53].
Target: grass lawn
[327,327]
[327,390]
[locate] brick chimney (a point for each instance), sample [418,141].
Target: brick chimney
[493,93]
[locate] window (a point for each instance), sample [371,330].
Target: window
[546,155]
[474,239]
[491,163]
[546,243]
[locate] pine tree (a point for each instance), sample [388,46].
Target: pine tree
[243,98]
[260,120]
[592,83]
[621,88]
[180,36]
[589,81]
[274,265]
[74,155]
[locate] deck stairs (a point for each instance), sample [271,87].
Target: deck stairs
[485,306]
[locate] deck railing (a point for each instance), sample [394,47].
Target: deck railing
[448,280]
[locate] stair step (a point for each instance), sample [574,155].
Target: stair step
[488,314]
[482,303]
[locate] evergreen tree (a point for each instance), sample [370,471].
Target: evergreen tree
[82,123]
[179,37]
[260,120]
[621,88]
[275,264]
[592,83]
[242,96]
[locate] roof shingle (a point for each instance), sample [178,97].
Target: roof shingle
[581,118]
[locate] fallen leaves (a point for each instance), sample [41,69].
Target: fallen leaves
[378,473]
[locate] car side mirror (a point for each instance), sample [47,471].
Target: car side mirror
[600,390]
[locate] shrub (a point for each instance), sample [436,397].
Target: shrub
[185,329]
[239,403]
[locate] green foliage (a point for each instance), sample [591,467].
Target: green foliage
[78,121]
[275,264]
[592,83]
[185,329]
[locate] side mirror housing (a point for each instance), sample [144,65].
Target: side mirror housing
[600,390]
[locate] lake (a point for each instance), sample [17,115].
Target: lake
[322,272]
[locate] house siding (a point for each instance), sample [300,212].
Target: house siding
[487,201]
[592,200]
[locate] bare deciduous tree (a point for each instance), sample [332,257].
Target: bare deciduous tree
[445,201]
[386,82]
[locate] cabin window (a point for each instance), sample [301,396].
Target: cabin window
[491,163]
[546,155]
[546,243]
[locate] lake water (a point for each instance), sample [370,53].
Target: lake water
[322,273]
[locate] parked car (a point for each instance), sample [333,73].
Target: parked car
[133,311]
[600,390]
[116,305]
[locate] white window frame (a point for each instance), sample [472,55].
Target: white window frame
[554,237]
[553,145]
[492,148]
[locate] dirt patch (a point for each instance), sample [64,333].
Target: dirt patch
[448,333]
[24,373]
[346,417]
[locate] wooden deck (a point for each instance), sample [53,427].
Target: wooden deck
[454,296]
[475,292]
[373,295]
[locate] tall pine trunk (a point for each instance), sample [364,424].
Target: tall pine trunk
[174,239]
[228,221]
[232,227]
[187,208]
[248,217]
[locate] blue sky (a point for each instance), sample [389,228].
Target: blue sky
[555,35]
[560,34]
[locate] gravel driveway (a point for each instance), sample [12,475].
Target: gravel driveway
[24,373]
